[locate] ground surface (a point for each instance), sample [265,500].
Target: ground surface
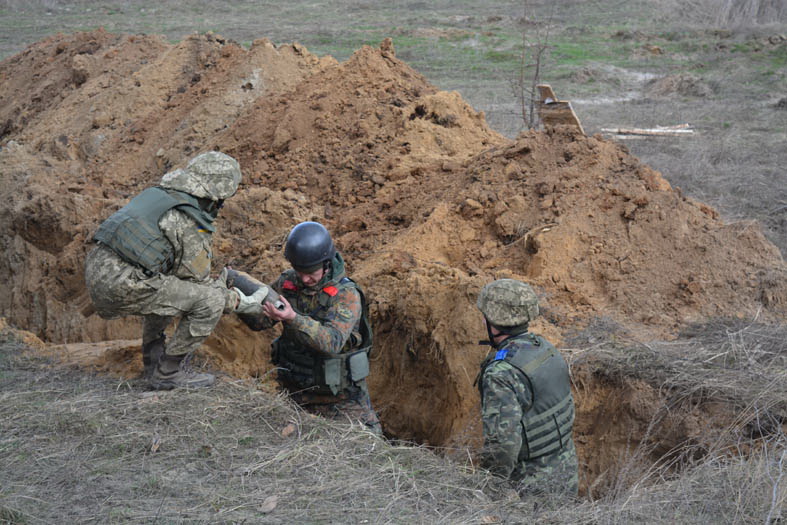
[624,64]
[427,197]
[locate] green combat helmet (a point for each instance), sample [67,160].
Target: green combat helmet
[212,175]
[508,303]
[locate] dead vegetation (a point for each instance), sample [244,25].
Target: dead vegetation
[113,452]
[428,202]
[741,363]
[733,13]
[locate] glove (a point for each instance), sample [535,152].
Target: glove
[221,280]
[251,304]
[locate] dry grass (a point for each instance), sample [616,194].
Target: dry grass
[113,452]
[729,13]
[81,448]
[718,489]
[734,476]
[740,362]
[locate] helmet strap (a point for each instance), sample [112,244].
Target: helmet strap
[491,341]
[510,331]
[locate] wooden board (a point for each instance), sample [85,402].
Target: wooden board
[554,112]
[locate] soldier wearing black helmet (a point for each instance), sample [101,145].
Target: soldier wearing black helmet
[526,404]
[322,353]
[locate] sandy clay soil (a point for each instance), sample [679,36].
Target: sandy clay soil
[426,202]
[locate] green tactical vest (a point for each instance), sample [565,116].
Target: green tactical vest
[322,374]
[134,234]
[548,424]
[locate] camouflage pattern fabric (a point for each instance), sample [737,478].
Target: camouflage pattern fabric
[326,331]
[212,175]
[337,323]
[153,326]
[506,396]
[328,334]
[118,288]
[508,302]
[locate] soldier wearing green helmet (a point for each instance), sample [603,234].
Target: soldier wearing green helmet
[526,404]
[152,258]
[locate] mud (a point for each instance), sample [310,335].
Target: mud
[426,202]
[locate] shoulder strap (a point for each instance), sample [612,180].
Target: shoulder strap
[365,326]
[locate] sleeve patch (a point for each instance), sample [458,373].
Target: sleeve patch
[501,354]
[289,285]
[331,290]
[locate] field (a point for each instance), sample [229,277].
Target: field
[666,295]
[602,55]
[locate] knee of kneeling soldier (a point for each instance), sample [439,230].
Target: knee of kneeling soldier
[211,303]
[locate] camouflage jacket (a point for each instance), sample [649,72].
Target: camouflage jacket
[328,313]
[507,396]
[123,284]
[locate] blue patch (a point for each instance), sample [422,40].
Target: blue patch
[501,354]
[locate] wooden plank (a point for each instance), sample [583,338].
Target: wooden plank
[671,131]
[545,90]
[554,112]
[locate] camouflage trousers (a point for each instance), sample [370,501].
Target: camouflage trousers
[119,289]
[353,404]
[554,474]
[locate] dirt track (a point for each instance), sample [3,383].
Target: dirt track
[425,200]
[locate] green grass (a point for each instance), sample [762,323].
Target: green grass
[778,59]
[479,56]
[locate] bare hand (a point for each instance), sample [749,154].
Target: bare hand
[286,314]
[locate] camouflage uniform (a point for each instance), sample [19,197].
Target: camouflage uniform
[507,396]
[119,288]
[325,331]
[526,405]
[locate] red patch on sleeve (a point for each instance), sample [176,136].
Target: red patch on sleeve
[331,290]
[289,285]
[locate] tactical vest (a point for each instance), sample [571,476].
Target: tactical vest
[134,234]
[547,425]
[323,374]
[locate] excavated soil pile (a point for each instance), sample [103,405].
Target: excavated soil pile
[426,202]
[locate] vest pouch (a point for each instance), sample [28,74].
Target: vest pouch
[294,365]
[332,371]
[358,363]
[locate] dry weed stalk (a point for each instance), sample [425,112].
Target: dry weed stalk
[114,452]
[535,46]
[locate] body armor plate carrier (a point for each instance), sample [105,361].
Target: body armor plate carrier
[547,425]
[133,232]
[319,373]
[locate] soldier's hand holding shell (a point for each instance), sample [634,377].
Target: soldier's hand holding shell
[251,304]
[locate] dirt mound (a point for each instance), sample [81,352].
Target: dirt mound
[425,200]
[684,85]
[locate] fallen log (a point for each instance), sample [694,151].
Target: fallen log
[660,131]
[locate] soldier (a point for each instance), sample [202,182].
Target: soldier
[526,403]
[152,259]
[322,353]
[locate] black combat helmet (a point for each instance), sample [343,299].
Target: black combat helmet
[308,246]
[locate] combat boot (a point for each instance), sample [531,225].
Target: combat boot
[151,352]
[173,371]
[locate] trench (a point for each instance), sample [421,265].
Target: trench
[425,395]
[624,426]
